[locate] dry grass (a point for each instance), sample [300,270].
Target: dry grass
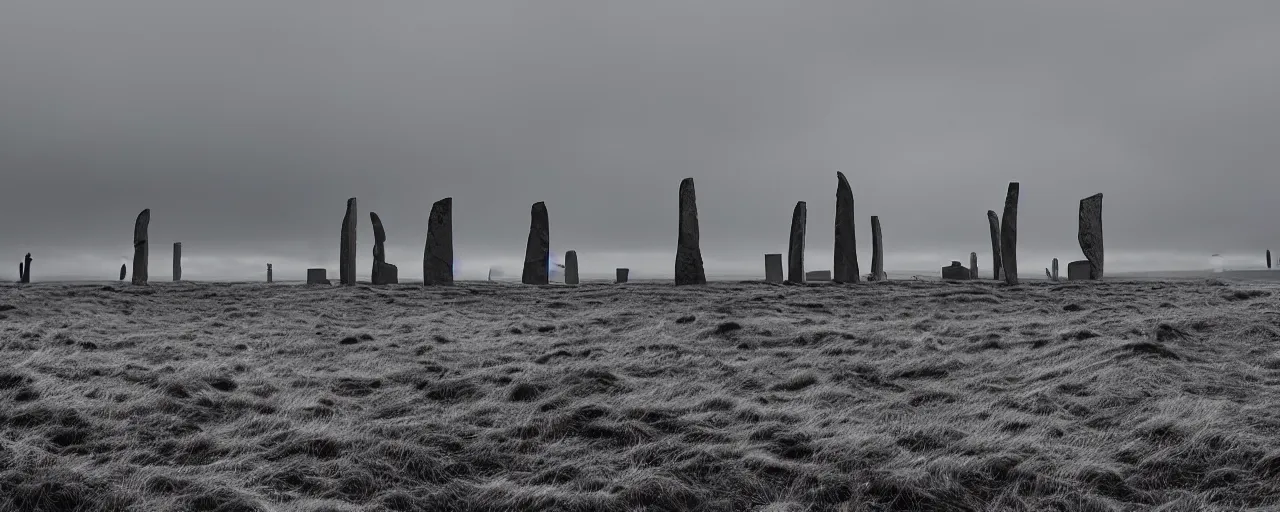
[898,395]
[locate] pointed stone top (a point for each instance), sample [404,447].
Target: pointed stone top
[841,179]
[379,234]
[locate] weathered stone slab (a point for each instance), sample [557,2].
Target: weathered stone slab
[845,269]
[973,265]
[140,246]
[955,272]
[623,274]
[1090,234]
[817,275]
[123,271]
[317,276]
[877,251]
[1009,235]
[177,261]
[437,259]
[347,251]
[1078,270]
[795,245]
[994,221]
[688,250]
[773,268]
[571,267]
[537,254]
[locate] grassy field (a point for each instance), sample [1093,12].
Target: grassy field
[733,396]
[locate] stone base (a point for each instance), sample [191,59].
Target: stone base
[956,272]
[1078,270]
[817,275]
[388,274]
[317,276]
[623,273]
[773,268]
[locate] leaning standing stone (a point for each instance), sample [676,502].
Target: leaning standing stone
[1090,233]
[537,254]
[795,248]
[123,271]
[1009,235]
[437,259]
[140,246]
[994,221]
[688,252]
[845,269]
[571,267]
[347,252]
[773,268]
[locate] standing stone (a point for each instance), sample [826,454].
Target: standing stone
[845,269]
[177,261]
[1268,258]
[795,248]
[317,276]
[877,252]
[773,268]
[623,273]
[268,272]
[140,246]
[1009,235]
[1078,270]
[955,272]
[571,267]
[123,271]
[347,250]
[24,270]
[383,272]
[1090,233]
[20,271]
[994,221]
[437,258]
[537,254]
[688,252]
[973,265]
[1055,269]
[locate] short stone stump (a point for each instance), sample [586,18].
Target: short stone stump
[1078,270]
[317,276]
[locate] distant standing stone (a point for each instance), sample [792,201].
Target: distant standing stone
[347,250]
[268,272]
[1055,269]
[1090,234]
[571,267]
[688,251]
[437,259]
[317,276]
[994,221]
[955,272]
[773,268]
[382,272]
[140,246]
[20,271]
[123,271]
[1268,258]
[623,273]
[795,247]
[973,265]
[845,269]
[177,261]
[1009,235]
[537,254]
[877,251]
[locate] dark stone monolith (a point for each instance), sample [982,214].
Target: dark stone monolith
[177,261]
[795,246]
[993,220]
[571,267]
[973,265]
[955,272]
[845,269]
[1268,258]
[437,258]
[382,272]
[140,246]
[317,276]
[1009,235]
[1090,233]
[24,269]
[623,273]
[347,249]
[688,252]
[537,254]
[773,268]
[20,271]
[268,272]
[877,252]
[124,270]
[1078,270]
[1055,269]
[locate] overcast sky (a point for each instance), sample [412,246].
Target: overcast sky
[245,125]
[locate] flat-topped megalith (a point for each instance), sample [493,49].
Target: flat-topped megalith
[773,268]
[177,261]
[571,267]
[437,257]
[622,275]
[688,251]
[1090,234]
[537,253]
[317,276]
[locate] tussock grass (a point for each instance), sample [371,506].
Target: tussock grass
[732,396]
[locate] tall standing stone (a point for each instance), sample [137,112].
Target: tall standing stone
[347,251]
[177,261]
[124,269]
[537,254]
[1268,258]
[795,246]
[140,246]
[688,252]
[994,221]
[571,267]
[1009,235]
[1090,233]
[773,268]
[24,269]
[1055,269]
[437,258]
[877,251]
[973,265]
[845,268]
[21,268]
[268,272]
